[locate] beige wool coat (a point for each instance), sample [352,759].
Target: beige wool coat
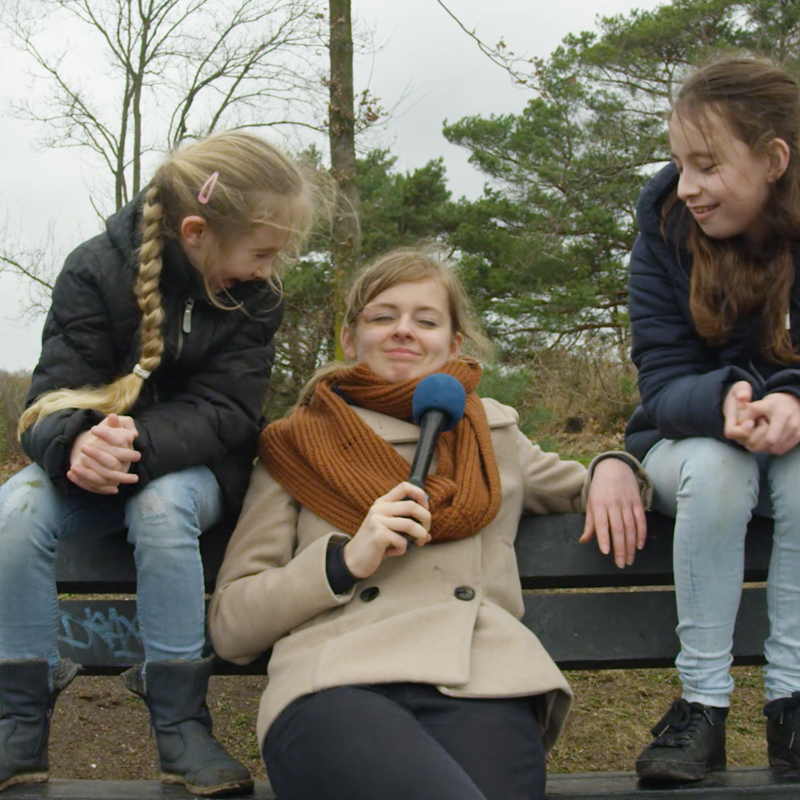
[444,614]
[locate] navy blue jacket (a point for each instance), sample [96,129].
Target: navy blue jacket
[202,406]
[683,380]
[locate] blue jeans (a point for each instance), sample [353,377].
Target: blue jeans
[164,522]
[712,489]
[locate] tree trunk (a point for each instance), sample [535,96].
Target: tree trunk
[346,233]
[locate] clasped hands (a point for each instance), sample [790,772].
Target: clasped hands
[101,457]
[770,425]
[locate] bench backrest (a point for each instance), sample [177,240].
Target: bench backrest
[588,613]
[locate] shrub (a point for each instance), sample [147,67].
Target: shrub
[13,390]
[584,390]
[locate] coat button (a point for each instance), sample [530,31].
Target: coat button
[464,593]
[369,594]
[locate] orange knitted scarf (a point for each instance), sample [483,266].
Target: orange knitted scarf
[334,464]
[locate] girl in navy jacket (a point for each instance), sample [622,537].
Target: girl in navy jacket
[715,312]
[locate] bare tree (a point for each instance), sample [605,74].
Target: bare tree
[520,69]
[35,265]
[345,231]
[172,69]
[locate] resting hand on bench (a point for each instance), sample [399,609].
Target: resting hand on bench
[614,511]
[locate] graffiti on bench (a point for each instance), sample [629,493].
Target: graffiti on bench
[99,633]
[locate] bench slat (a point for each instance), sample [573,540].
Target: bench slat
[105,565]
[738,783]
[579,631]
[114,790]
[103,636]
[551,557]
[612,630]
[548,553]
[734,784]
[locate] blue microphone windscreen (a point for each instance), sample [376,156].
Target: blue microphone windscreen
[441,392]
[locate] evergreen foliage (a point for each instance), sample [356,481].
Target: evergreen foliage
[546,246]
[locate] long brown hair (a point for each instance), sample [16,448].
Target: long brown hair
[255,183]
[758,102]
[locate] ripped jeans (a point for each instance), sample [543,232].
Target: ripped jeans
[164,522]
[711,489]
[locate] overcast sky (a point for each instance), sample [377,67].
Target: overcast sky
[422,56]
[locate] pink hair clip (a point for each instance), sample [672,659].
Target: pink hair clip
[204,195]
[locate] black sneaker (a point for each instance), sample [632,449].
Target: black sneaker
[690,741]
[783,731]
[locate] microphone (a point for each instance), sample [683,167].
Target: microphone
[437,405]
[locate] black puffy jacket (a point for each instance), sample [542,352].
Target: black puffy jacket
[201,406]
[683,380]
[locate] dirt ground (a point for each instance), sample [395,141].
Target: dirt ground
[102,731]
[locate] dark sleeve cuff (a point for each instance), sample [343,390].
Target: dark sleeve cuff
[630,460]
[340,578]
[49,442]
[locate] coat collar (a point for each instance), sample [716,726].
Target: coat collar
[398,431]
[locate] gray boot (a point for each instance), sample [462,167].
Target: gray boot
[175,693]
[26,703]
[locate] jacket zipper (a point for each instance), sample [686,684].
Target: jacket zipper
[185,326]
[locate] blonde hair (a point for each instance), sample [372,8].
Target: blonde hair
[255,184]
[406,265]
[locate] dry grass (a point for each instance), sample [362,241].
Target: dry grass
[615,709]
[13,389]
[574,403]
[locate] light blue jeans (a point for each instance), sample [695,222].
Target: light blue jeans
[712,489]
[164,522]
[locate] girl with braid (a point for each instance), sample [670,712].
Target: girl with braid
[401,670]
[144,413]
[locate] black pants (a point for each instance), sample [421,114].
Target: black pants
[405,742]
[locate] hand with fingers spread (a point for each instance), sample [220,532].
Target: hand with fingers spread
[101,457]
[777,427]
[738,413]
[403,510]
[614,511]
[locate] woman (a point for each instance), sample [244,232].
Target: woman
[403,671]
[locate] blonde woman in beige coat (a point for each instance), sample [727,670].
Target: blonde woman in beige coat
[399,670]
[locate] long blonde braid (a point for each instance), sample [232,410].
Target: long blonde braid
[120,395]
[147,281]
[251,170]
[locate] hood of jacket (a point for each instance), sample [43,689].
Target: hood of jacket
[653,197]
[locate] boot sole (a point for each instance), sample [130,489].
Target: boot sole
[677,772]
[25,777]
[782,757]
[220,790]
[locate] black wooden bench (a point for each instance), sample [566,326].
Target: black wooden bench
[609,619]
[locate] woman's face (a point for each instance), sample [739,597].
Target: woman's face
[723,181]
[404,332]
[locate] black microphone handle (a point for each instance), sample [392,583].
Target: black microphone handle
[430,427]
